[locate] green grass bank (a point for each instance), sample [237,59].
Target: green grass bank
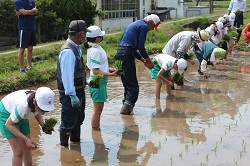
[45,57]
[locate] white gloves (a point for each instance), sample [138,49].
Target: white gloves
[203,65]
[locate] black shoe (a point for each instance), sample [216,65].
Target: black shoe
[199,71]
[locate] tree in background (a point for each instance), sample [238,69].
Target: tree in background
[53,17]
[8,19]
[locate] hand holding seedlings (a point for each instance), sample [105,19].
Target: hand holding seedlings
[118,65]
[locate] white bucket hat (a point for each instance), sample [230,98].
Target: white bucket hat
[95,32]
[45,98]
[182,65]
[203,35]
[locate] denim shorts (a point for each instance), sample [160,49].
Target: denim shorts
[23,125]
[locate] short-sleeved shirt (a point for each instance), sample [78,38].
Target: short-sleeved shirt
[28,21]
[97,58]
[165,61]
[16,104]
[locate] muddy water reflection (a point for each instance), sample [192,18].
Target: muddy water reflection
[206,123]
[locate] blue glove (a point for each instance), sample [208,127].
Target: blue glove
[75,102]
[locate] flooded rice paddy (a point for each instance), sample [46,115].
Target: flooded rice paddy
[207,122]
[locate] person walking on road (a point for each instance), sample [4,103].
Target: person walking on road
[71,80]
[25,11]
[133,39]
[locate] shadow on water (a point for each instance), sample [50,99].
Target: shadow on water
[206,122]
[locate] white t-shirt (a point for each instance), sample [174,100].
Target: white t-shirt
[16,104]
[97,58]
[165,61]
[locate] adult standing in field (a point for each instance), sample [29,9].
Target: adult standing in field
[15,110]
[25,11]
[238,7]
[71,81]
[133,39]
[97,62]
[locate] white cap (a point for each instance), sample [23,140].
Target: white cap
[155,19]
[219,25]
[182,65]
[226,17]
[222,19]
[95,32]
[45,98]
[231,17]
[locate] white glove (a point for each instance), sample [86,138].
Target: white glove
[203,65]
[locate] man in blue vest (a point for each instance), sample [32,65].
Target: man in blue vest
[71,81]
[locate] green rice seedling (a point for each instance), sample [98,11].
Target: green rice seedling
[49,125]
[181,154]
[118,66]
[95,83]
[171,160]
[191,55]
[177,78]
[186,147]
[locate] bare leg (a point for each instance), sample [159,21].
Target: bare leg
[96,115]
[29,56]
[27,154]
[21,58]
[20,152]
[158,83]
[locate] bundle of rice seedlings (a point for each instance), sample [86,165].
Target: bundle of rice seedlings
[49,125]
[95,83]
[177,78]
[118,66]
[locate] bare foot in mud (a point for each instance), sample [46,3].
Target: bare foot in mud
[170,97]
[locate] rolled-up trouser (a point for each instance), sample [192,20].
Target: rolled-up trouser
[129,79]
[72,116]
[238,20]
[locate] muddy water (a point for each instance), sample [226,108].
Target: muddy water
[207,122]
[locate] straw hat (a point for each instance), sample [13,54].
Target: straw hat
[203,35]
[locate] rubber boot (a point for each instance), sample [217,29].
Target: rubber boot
[75,134]
[64,137]
[127,108]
